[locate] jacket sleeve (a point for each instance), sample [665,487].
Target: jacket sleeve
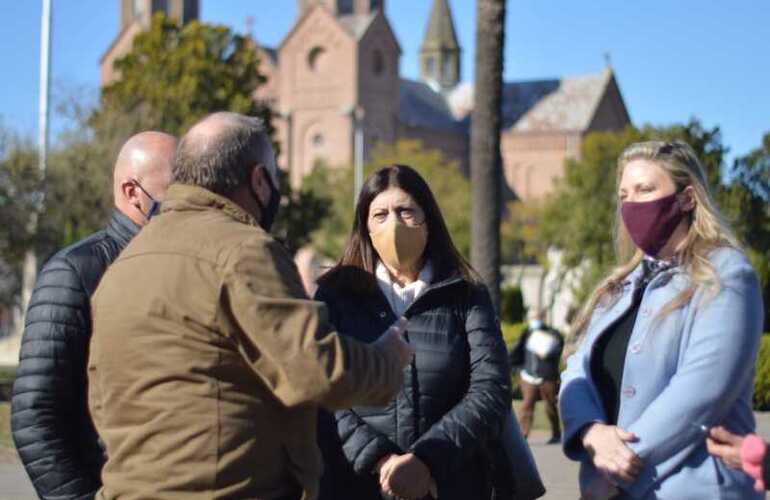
[579,403]
[717,364]
[362,445]
[478,418]
[286,338]
[54,347]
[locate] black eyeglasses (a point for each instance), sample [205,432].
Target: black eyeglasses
[139,185]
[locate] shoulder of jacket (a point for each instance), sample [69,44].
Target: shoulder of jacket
[728,260]
[324,293]
[257,244]
[84,248]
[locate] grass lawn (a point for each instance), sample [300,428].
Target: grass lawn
[5,425]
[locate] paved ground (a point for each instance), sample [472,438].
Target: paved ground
[559,474]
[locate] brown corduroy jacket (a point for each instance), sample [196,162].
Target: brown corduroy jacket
[208,361]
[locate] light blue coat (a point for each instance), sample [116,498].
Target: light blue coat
[693,367]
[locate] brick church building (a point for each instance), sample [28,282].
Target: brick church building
[340,63]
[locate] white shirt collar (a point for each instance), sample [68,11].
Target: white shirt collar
[400,298]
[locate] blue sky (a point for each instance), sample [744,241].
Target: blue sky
[674,59]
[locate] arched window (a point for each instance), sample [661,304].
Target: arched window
[316,58]
[448,69]
[430,67]
[378,62]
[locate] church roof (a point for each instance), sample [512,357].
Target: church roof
[422,106]
[357,24]
[441,30]
[566,104]
[528,106]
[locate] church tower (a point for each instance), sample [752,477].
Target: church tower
[440,51]
[342,7]
[339,68]
[182,11]
[135,16]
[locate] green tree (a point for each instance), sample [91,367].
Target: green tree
[174,75]
[302,211]
[520,233]
[450,187]
[20,193]
[747,200]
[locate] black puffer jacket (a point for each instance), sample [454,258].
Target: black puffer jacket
[50,422]
[455,397]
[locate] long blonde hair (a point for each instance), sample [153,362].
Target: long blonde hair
[708,229]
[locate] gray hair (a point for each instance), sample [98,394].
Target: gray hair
[219,152]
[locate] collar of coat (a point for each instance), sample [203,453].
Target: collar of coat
[121,228]
[185,197]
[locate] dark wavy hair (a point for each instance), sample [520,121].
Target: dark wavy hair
[355,270]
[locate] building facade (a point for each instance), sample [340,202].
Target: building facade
[338,66]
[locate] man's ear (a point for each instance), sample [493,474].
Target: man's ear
[260,184]
[130,191]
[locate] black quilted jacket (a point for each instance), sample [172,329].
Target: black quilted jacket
[454,400]
[49,411]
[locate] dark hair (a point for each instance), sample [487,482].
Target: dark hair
[360,255]
[221,161]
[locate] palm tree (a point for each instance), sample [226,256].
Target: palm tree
[486,169]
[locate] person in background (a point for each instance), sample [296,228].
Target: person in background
[747,453]
[669,341]
[208,361]
[432,438]
[536,357]
[51,425]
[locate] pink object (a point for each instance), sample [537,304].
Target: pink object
[753,452]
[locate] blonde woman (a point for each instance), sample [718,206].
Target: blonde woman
[669,341]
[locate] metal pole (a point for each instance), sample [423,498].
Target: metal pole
[45,69]
[29,271]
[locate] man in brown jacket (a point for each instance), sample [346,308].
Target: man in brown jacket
[208,361]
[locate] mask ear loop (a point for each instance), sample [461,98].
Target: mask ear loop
[154,204]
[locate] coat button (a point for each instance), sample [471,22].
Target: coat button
[645,311]
[629,392]
[383,314]
[636,348]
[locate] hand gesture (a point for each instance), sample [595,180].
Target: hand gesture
[724,444]
[406,476]
[393,344]
[606,444]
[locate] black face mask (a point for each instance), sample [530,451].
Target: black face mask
[271,210]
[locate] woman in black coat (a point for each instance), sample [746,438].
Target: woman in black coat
[435,438]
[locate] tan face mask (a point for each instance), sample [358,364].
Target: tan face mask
[398,245]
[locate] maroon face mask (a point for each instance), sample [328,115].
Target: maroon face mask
[651,223]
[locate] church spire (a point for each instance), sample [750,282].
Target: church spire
[440,51]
